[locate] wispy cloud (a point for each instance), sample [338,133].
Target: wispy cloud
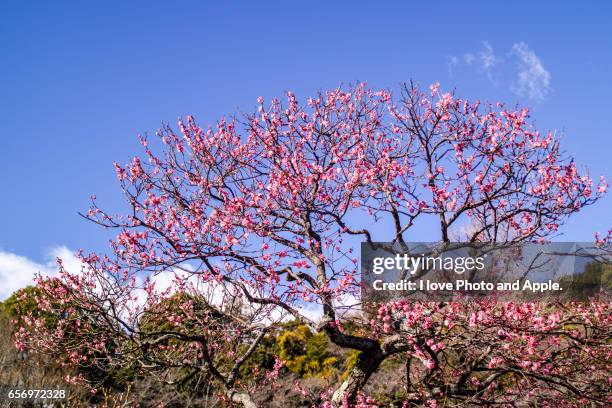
[485,60]
[533,79]
[520,69]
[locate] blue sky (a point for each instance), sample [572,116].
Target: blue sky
[79,81]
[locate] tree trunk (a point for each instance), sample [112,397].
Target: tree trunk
[367,363]
[241,398]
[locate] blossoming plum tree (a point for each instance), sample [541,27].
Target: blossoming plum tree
[268,208]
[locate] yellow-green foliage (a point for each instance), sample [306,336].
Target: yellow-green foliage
[351,361]
[306,353]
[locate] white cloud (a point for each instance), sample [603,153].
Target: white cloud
[487,58]
[346,306]
[521,70]
[17,271]
[171,280]
[533,79]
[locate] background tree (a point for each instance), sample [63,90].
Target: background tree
[27,369]
[271,206]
